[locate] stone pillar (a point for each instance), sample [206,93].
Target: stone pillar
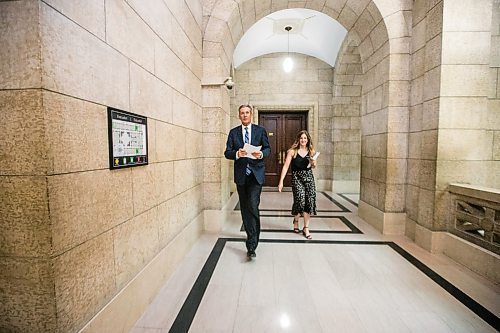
[384,121]
[27,290]
[217,169]
[217,176]
[346,120]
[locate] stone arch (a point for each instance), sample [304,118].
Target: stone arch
[371,23]
[379,30]
[346,118]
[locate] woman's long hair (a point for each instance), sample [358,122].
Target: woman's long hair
[296,145]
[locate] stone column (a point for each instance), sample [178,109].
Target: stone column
[346,120]
[26,275]
[217,176]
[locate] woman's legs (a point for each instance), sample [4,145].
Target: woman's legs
[296,223]
[307,218]
[299,201]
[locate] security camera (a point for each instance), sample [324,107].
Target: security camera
[229,83]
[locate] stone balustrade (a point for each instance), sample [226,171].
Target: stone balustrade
[475,215]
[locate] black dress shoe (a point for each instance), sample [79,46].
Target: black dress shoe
[251,254]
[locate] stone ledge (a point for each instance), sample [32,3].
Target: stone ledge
[475,191]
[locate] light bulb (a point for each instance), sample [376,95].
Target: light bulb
[288,65]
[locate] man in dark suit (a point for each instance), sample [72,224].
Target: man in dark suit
[249,172]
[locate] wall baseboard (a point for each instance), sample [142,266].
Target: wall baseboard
[121,313]
[470,255]
[345,186]
[386,223]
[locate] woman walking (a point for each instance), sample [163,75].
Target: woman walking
[304,190]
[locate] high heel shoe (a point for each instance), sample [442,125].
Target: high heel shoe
[296,228]
[307,236]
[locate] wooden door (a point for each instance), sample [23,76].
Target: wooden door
[282,128]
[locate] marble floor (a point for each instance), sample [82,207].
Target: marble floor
[349,278]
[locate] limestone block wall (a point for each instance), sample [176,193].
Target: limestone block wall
[494,93]
[469,121]
[454,111]
[217,169]
[75,232]
[27,293]
[425,69]
[217,58]
[346,119]
[262,81]
[385,59]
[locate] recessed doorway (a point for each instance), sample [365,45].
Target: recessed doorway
[282,127]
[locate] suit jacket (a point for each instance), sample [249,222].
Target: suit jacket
[235,142]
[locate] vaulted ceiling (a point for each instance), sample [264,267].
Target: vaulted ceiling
[313,33]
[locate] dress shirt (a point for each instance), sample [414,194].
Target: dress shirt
[249,126]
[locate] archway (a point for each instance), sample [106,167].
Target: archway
[379,30]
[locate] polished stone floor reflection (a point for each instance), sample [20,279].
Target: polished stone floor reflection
[341,281]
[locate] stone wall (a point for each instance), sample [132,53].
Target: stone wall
[384,51]
[262,81]
[26,276]
[347,120]
[494,93]
[454,112]
[75,232]
[217,59]
[467,120]
[425,72]
[217,169]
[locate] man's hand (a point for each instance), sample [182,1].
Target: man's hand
[242,152]
[280,186]
[257,154]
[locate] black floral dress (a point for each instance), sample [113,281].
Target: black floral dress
[303,187]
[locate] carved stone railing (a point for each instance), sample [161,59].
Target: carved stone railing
[476,215]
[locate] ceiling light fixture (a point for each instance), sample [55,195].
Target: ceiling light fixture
[288,63]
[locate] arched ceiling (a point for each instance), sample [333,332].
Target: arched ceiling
[313,33]
[376,27]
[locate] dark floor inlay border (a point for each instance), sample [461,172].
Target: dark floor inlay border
[343,209]
[345,220]
[346,198]
[188,311]
[186,314]
[275,189]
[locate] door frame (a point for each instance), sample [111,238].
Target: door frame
[285,126]
[310,108]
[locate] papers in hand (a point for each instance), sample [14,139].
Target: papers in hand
[314,158]
[250,149]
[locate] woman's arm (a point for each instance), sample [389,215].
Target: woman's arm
[289,155]
[311,161]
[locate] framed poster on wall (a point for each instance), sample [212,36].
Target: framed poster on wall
[127,139]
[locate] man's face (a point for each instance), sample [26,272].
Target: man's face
[245,115]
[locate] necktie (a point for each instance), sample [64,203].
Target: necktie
[247,140]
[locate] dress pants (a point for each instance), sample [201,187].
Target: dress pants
[249,195]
